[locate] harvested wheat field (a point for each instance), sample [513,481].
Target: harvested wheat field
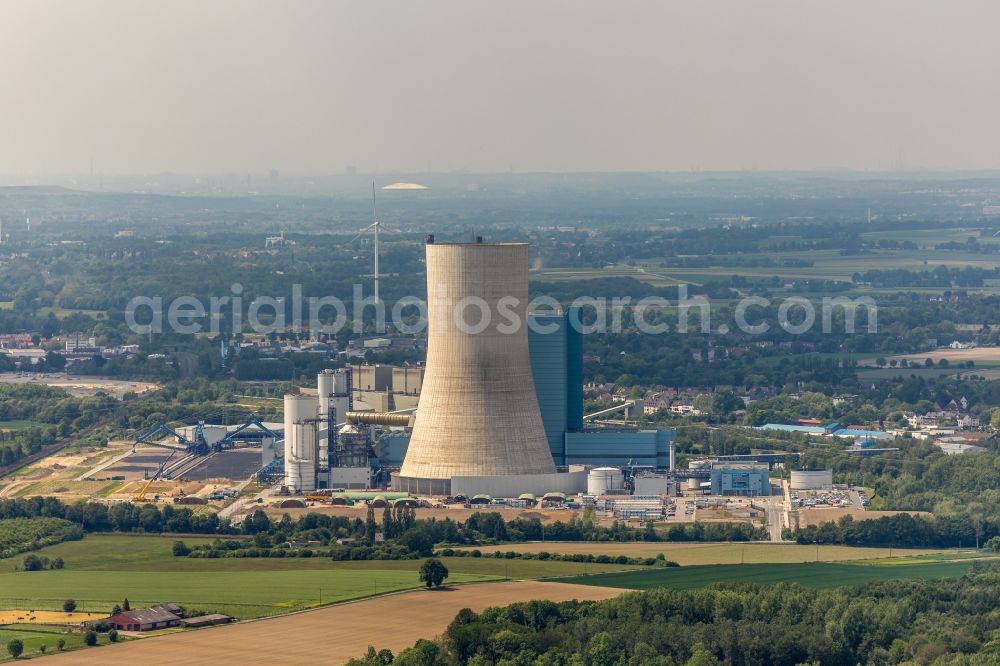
[46,617]
[329,635]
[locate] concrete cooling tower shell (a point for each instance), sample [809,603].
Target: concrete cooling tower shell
[478,413]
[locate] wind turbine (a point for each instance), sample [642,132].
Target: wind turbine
[374,228]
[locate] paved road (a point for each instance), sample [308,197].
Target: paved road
[103,466]
[245,505]
[775,520]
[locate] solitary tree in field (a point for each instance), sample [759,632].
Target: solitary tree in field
[60,644]
[15,648]
[90,638]
[69,605]
[433,572]
[125,605]
[370,526]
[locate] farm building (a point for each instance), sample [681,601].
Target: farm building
[147,619]
[206,620]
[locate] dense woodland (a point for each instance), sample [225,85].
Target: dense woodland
[911,622]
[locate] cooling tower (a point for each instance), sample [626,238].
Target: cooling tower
[478,414]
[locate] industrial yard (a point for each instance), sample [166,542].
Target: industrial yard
[542,458]
[80,386]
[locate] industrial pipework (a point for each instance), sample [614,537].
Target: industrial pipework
[378,418]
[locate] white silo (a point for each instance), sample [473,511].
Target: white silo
[605,481]
[334,389]
[300,442]
[324,389]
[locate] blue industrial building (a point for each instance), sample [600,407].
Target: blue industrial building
[746,479]
[619,447]
[556,349]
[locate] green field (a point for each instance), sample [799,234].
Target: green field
[988,369]
[239,593]
[102,570]
[19,425]
[34,637]
[826,265]
[809,574]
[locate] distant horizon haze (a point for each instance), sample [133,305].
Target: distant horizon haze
[388,87]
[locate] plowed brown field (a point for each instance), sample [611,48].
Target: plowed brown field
[328,635]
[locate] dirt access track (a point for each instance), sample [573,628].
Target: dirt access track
[329,635]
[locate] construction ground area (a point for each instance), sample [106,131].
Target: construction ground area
[120,472]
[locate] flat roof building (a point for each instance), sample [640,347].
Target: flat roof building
[555,346]
[740,479]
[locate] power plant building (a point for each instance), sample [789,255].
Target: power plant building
[741,479]
[499,407]
[555,345]
[620,447]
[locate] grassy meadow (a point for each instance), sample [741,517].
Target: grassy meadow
[808,574]
[101,570]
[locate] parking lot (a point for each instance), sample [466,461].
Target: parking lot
[839,498]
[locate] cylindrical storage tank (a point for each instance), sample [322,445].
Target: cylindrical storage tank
[333,390]
[605,480]
[693,484]
[478,413]
[300,442]
[811,479]
[324,388]
[304,454]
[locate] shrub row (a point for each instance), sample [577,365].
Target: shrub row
[560,557]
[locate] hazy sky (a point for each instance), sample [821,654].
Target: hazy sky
[576,85]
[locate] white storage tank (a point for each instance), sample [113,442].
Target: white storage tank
[324,389]
[300,442]
[817,479]
[332,386]
[605,481]
[693,484]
